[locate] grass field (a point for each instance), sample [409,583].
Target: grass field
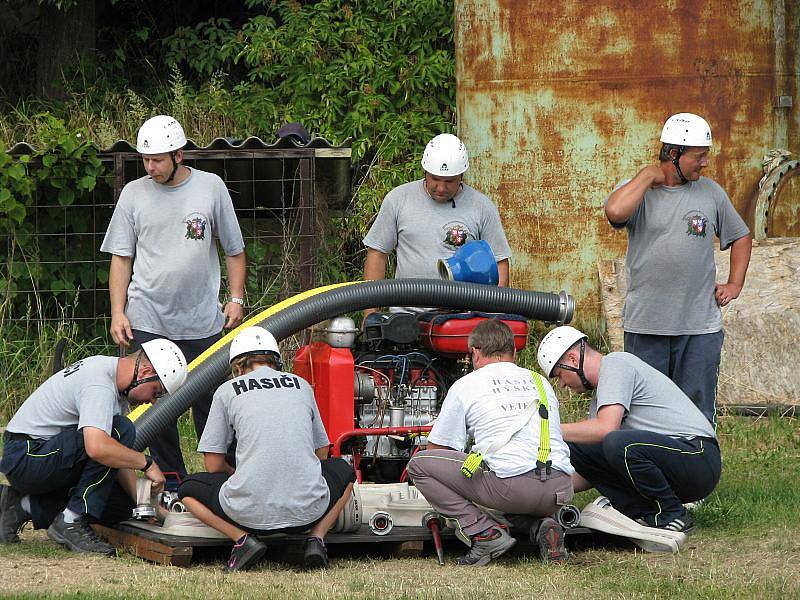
[747,546]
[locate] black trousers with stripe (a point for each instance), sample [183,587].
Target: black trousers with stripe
[57,473]
[205,488]
[647,475]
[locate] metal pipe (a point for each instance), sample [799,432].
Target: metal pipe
[365,432]
[568,516]
[433,522]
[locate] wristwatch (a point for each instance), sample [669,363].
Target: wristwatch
[239,301]
[148,463]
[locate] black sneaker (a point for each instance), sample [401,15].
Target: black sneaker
[245,553]
[486,546]
[314,554]
[78,536]
[684,524]
[12,517]
[549,536]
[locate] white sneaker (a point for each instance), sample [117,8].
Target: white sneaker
[601,516]
[694,505]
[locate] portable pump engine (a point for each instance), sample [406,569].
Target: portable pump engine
[378,390]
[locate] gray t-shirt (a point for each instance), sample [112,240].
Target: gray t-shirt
[174,290]
[423,230]
[670,259]
[651,400]
[83,394]
[278,480]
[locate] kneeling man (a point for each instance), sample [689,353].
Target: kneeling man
[68,450]
[284,481]
[645,445]
[512,414]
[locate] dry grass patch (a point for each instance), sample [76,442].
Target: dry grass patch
[710,566]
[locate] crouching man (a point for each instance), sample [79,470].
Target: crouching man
[512,414]
[68,453]
[284,481]
[645,445]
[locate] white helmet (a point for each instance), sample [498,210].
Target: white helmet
[160,134]
[445,155]
[253,340]
[686,129]
[555,344]
[168,362]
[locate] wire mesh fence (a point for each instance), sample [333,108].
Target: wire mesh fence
[54,272]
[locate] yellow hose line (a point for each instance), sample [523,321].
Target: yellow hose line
[138,411]
[268,312]
[274,309]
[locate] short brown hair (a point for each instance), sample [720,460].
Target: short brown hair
[493,338]
[242,363]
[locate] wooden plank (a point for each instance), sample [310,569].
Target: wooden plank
[178,550]
[333,152]
[171,540]
[760,352]
[408,549]
[147,549]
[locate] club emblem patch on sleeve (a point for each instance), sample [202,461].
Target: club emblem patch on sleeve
[195,226]
[696,223]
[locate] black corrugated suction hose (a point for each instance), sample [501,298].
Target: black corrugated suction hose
[328,303]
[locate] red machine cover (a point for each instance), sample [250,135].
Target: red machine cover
[448,333]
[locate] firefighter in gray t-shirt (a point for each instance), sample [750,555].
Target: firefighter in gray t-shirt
[164,279]
[429,219]
[645,445]
[283,480]
[672,317]
[68,453]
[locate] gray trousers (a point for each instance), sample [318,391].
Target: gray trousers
[437,474]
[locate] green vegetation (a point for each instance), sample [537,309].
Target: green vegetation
[380,72]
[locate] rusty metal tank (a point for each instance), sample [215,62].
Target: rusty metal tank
[558,102]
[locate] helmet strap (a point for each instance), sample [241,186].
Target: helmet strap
[175,166]
[136,382]
[460,187]
[675,161]
[579,369]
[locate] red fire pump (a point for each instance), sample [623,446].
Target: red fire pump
[378,390]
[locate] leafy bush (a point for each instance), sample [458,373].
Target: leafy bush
[378,71]
[34,190]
